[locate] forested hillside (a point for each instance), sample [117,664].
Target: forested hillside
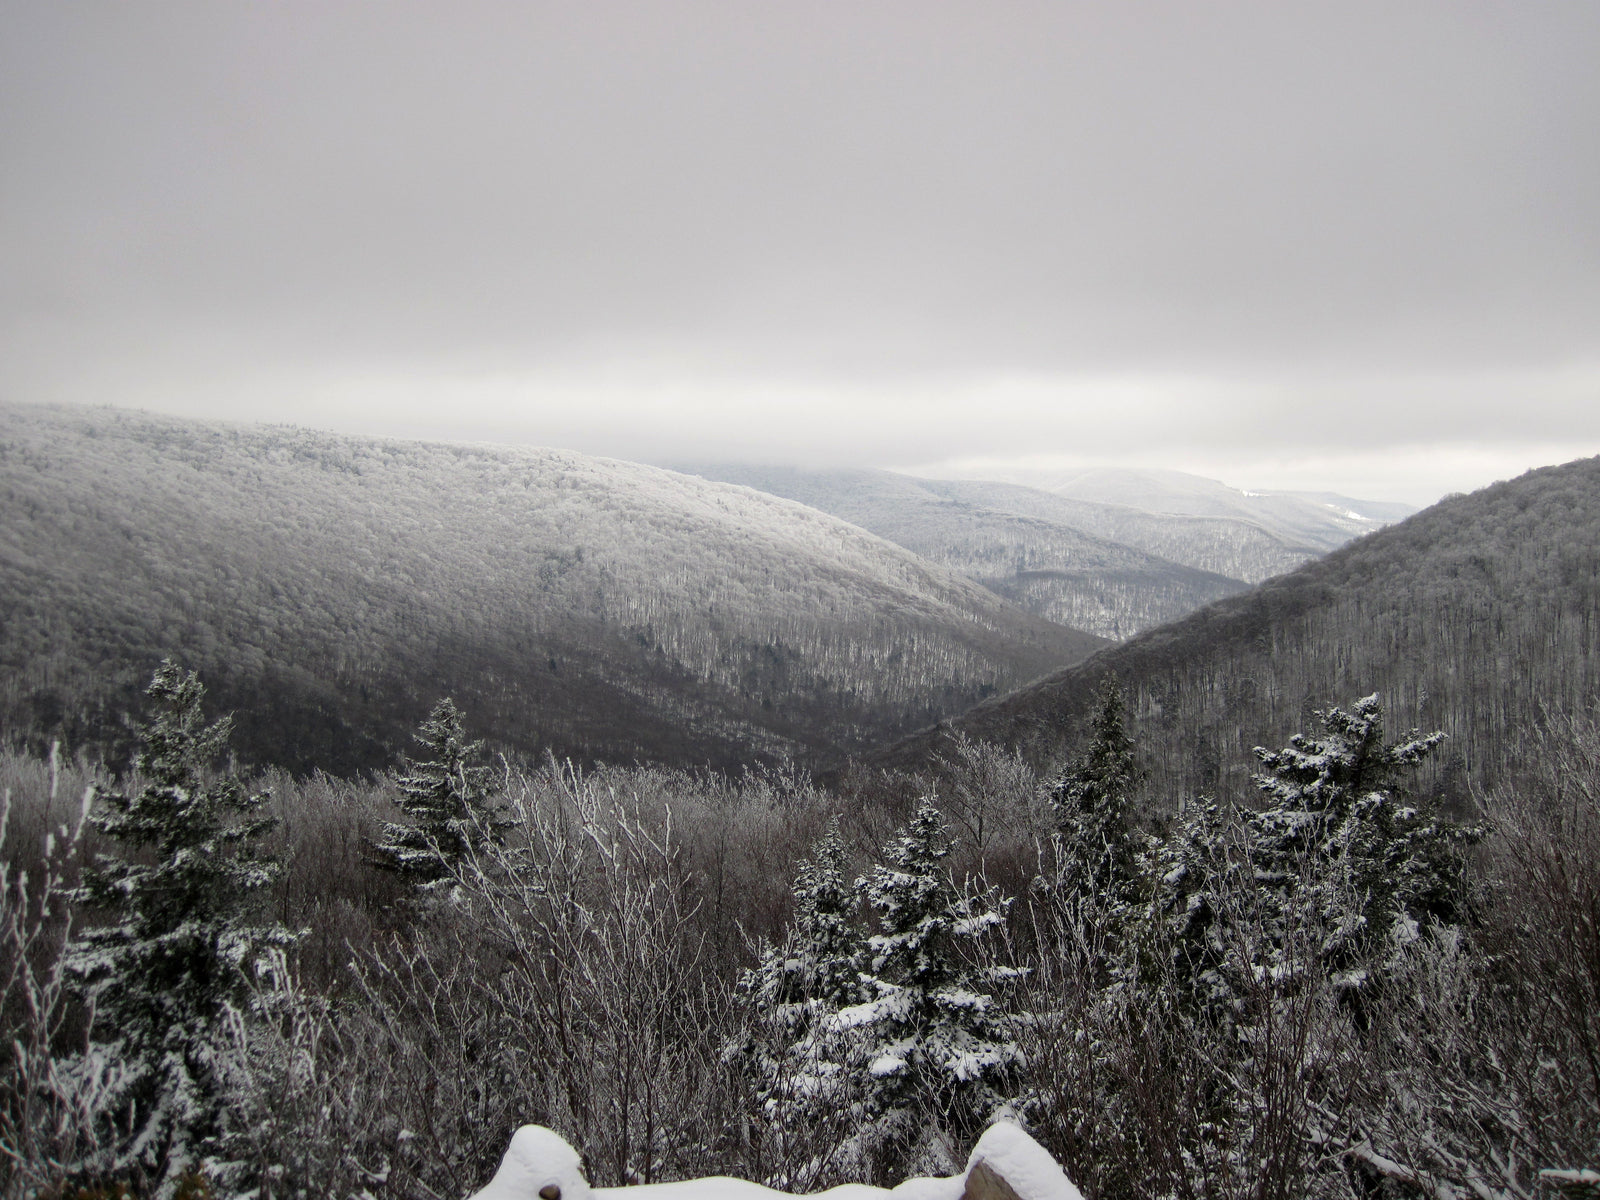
[1473,617]
[1320,520]
[1229,545]
[1025,545]
[330,589]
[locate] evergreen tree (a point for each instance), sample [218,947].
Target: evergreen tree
[820,963]
[934,1042]
[1342,835]
[796,1051]
[1202,881]
[1095,849]
[183,939]
[449,797]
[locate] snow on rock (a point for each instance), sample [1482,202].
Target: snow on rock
[1006,1164]
[720,1187]
[538,1165]
[1008,1154]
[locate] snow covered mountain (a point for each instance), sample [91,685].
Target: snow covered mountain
[1028,546]
[1463,616]
[330,589]
[1188,519]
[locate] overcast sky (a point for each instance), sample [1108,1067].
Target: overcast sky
[1329,245]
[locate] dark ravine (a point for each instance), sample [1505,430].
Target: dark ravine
[330,589]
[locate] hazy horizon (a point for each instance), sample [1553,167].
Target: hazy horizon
[1345,247]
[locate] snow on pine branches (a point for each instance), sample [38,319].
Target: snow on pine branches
[1342,836]
[182,937]
[932,1038]
[450,800]
[891,1043]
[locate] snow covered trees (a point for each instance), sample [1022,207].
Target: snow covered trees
[1342,837]
[1095,853]
[933,1042]
[890,1042]
[796,1051]
[1203,1020]
[183,937]
[811,974]
[448,796]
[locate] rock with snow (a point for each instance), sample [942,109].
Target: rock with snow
[538,1165]
[1006,1164]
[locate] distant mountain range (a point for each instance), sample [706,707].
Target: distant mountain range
[1208,525]
[330,589]
[1200,522]
[1112,568]
[1474,616]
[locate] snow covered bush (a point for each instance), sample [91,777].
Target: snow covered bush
[568,980]
[1222,1049]
[46,1115]
[1486,1054]
[1183,1066]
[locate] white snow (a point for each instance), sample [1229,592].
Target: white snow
[886,1064]
[856,1015]
[1022,1163]
[539,1158]
[929,1189]
[720,1187]
[1582,1176]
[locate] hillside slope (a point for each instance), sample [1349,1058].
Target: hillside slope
[330,589]
[1473,616]
[1031,556]
[1321,520]
[1190,519]
[1229,546]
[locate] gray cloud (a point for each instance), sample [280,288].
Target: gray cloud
[644,227]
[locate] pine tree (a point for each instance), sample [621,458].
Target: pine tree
[1095,849]
[795,1052]
[820,963]
[448,795]
[1202,881]
[182,942]
[1342,835]
[935,1043]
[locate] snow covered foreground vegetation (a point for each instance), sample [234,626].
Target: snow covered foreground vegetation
[1312,999]
[1006,1164]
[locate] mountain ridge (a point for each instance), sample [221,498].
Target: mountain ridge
[1462,616]
[330,588]
[1048,566]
